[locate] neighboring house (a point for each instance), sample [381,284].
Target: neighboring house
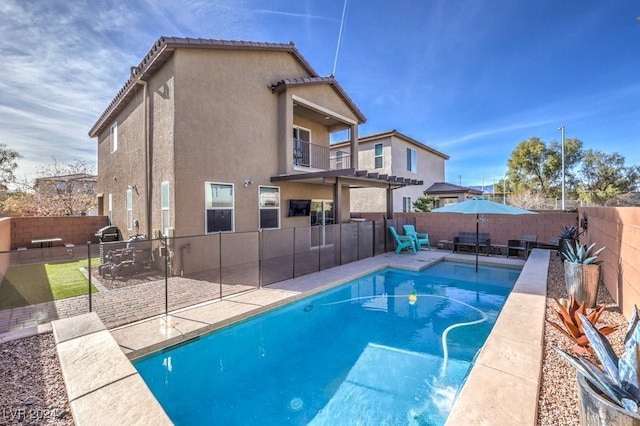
[393,154]
[66,195]
[215,136]
[449,193]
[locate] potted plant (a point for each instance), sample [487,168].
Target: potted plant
[582,273]
[568,237]
[610,393]
[569,323]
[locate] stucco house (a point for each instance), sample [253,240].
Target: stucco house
[66,195]
[393,153]
[212,136]
[449,193]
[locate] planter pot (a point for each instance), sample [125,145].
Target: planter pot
[582,282]
[563,243]
[596,409]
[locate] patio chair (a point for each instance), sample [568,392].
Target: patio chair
[403,241]
[422,239]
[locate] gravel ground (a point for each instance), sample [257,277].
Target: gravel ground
[558,399]
[32,390]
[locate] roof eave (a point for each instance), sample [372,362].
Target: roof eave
[164,47]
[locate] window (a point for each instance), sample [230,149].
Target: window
[110,207]
[411,160]
[406,204]
[339,160]
[164,205]
[269,205]
[377,156]
[129,209]
[219,207]
[113,140]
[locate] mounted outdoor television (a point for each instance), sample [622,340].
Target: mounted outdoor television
[299,207]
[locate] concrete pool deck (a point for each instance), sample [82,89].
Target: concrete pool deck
[503,383]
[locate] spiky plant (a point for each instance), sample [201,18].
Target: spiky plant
[582,254]
[569,232]
[571,326]
[618,379]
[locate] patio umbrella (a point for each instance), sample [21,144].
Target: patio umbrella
[478,206]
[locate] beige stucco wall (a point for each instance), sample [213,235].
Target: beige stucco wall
[227,132]
[126,166]
[430,169]
[214,118]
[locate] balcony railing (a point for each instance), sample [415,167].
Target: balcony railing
[307,154]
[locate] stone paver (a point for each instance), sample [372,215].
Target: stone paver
[118,306]
[498,367]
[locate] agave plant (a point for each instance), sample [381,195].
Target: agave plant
[582,254]
[569,232]
[618,379]
[571,325]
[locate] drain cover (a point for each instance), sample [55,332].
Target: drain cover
[296,404]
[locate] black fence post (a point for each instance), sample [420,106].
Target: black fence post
[340,245]
[89,270]
[293,264]
[220,260]
[373,237]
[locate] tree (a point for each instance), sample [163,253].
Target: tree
[528,200]
[8,164]
[603,177]
[59,190]
[537,168]
[65,189]
[18,203]
[424,204]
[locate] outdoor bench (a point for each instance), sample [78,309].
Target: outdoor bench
[524,245]
[467,240]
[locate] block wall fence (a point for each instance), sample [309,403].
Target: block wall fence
[72,229]
[617,229]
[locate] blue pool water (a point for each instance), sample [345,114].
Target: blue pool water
[361,353]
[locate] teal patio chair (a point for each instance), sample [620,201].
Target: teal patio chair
[421,239]
[403,241]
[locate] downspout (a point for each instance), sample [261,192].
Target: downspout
[147,172]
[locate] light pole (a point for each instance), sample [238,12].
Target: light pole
[561,128]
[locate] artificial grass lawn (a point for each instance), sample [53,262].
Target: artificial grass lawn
[26,285]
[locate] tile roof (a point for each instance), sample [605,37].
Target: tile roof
[305,81]
[389,133]
[163,48]
[442,187]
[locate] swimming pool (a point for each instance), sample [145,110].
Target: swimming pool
[365,352]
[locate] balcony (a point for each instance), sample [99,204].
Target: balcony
[307,155]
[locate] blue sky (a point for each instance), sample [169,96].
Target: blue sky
[469,78]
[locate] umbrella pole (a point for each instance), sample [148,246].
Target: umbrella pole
[477,238]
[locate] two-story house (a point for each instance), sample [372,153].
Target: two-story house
[212,136]
[65,195]
[393,154]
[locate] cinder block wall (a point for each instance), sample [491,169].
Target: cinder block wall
[501,228]
[617,229]
[72,229]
